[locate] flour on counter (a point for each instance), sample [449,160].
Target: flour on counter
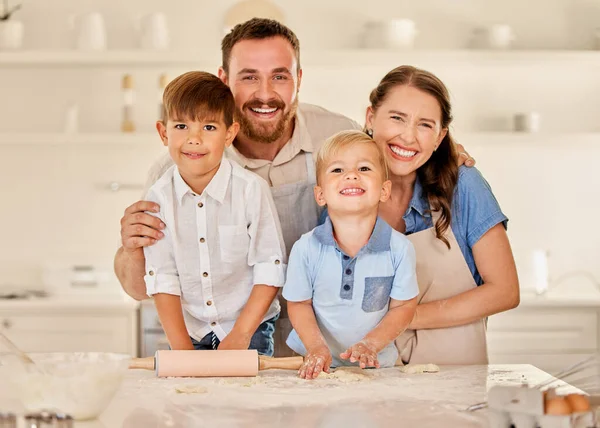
[346,375]
[419,368]
[283,388]
[191,389]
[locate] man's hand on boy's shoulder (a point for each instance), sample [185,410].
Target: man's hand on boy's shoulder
[362,353]
[138,228]
[317,360]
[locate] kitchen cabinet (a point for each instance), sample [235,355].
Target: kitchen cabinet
[48,325]
[551,332]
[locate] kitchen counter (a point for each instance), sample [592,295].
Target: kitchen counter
[561,298]
[114,302]
[278,398]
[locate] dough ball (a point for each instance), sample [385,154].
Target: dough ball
[190,389]
[419,368]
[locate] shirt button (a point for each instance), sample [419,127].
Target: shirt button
[346,258]
[202,240]
[208,303]
[204,274]
[200,204]
[348,271]
[213,324]
[346,287]
[277,262]
[151,273]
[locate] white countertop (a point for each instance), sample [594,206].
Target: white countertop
[66,302]
[562,298]
[278,398]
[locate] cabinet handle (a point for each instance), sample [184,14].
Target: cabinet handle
[6,324]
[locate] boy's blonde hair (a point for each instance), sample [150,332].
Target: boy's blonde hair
[197,95]
[345,140]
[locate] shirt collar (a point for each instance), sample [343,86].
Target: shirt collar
[216,188]
[300,141]
[378,242]
[418,202]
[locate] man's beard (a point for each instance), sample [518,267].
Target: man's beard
[263,133]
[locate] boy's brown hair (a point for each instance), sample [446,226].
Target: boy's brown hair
[257,29]
[345,140]
[197,95]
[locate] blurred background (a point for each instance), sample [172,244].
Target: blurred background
[74,74]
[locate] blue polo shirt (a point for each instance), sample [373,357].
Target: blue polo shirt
[475,210]
[350,296]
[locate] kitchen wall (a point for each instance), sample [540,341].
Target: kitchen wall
[56,205]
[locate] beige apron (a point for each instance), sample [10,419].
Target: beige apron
[298,214]
[441,274]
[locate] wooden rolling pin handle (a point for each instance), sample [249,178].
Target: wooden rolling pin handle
[286,363]
[147,363]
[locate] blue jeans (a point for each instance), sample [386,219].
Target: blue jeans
[262,339]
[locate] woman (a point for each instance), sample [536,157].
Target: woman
[465,265]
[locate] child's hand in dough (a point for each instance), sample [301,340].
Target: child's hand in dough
[363,353]
[316,361]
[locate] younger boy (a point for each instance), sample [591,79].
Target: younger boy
[215,274]
[351,283]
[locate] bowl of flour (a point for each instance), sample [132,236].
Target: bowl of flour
[81,384]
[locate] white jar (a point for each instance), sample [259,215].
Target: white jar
[11,34]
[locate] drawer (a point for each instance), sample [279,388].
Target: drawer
[533,331]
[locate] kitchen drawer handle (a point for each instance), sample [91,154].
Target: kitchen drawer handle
[6,324]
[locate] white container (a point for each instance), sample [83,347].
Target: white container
[154,31]
[527,122]
[501,36]
[90,31]
[540,271]
[393,34]
[11,34]
[498,36]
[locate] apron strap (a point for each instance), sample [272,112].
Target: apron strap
[311,175]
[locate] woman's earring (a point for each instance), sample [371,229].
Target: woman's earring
[370,132]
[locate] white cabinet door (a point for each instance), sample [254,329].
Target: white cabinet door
[549,338]
[71,332]
[543,330]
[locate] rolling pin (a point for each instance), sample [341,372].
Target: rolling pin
[212,363]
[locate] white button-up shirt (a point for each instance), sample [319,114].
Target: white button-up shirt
[216,247]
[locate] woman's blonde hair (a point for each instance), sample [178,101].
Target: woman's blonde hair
[345,140]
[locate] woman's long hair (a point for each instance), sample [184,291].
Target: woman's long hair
[439,175]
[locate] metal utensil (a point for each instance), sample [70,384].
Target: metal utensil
[15,350]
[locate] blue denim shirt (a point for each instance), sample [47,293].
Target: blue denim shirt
[350,295]
[475,210]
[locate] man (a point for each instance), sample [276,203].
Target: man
[278,140]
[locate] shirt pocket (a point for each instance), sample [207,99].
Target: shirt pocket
[377,293]
[234,241]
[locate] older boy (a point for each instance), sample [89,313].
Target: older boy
[351,284]
[216,272]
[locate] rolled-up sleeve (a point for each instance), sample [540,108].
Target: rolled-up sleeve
[266,252]
[298,285]
[161,271]
[405,285]
[476,206]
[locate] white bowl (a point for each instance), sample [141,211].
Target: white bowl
[80,384]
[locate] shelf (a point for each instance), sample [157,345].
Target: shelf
[143,138]
[49,138]
[358,58]
[73,58]
[556,139]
